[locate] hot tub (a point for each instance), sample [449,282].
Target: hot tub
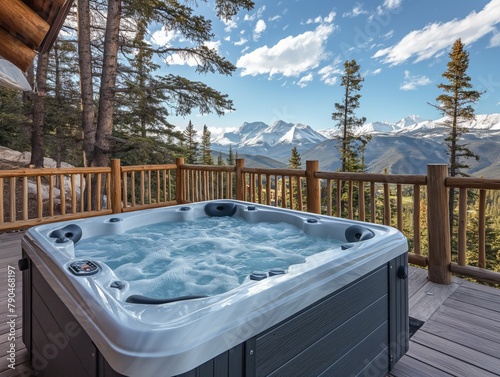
[340,310]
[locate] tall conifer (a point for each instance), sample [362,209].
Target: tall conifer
[351,146]
[456,106]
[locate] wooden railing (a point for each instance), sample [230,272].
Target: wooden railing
[415,204]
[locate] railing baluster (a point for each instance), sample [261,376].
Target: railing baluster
[2,210]
[51,195]
[416,220]
[350,214]
[12,182]
[329,197]
[387,205]
[39,196]
[98,193]
[24,199]
[373,204]
[462,226]
[482,229]
[339,198]
[399,206]
[361,199]
[62,191]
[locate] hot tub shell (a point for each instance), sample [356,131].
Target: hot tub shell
[343,312]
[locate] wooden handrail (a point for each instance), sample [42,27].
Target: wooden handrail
[470,182]
[377,178]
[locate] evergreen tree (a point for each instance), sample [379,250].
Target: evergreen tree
[63,105]
[141,116]
[351,147]
[206,152]
[15,124]
[456,106]
[190,144]
[294,162]
[220,160]
[230,156]
[182,94]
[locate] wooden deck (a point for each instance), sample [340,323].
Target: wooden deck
[460,337]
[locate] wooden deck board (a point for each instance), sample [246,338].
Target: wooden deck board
[460,337]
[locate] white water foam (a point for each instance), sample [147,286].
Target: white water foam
[207,256]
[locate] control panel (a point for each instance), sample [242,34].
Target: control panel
[84,267]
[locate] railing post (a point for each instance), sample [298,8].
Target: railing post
[179,181]
[116,186]
[438,225]
[313,187]
[240,181]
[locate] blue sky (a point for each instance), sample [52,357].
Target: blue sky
[290,57]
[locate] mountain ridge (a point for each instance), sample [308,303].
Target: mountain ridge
[403,147]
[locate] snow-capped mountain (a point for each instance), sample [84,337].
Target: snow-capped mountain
[404,147]
[257,137]
[413,125]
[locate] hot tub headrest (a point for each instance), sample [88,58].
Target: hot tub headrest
[70,232]
[356,233]
[219,209]
[138,299]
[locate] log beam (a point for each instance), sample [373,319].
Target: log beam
[22,20]
[15,51]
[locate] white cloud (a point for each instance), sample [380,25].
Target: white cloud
[392,4]
[305,80]
[230,25]
[275,18]
[256,15]
[163,37]
[241,42]
[376,71]
[413,81]
[434,39]
[328,74]
[319,20]
[291,56]
[495,40]
[388,35]
[356,11]
[177,59]
[260,26]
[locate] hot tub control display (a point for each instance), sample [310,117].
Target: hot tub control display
[83,268]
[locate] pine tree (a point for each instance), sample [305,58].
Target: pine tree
[62,129]
[206,157]
[456,105]
[141,115]
[294,162]
[220,160]
[351,147]
[15,124]
[190,144]
[230,156]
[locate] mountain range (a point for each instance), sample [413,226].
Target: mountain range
[404,147]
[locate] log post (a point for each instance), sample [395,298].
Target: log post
[116,187]
[313,187]
[240,179]
[179,181]
[438,225]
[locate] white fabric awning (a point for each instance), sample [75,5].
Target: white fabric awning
[12,77]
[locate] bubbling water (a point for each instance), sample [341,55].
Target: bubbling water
[207,256]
